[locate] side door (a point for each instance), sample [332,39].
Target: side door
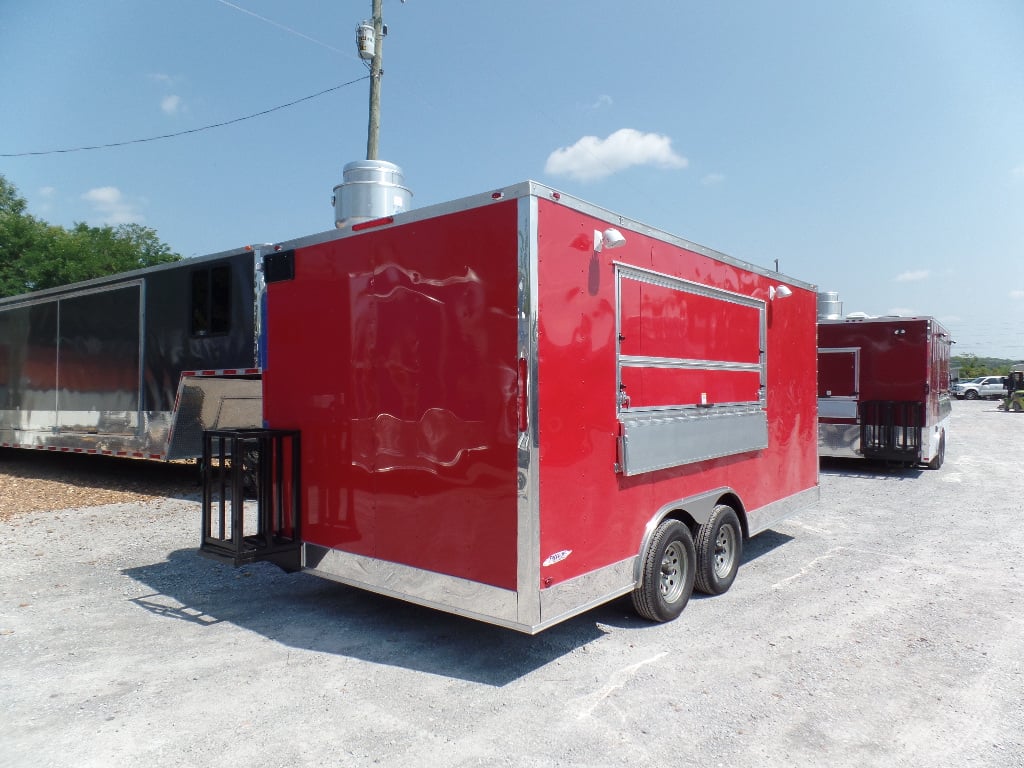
[838,383]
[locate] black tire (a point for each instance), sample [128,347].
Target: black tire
[666,580]
[971,394]
[940,455]
[719,547]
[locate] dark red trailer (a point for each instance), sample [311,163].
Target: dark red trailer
[883,389]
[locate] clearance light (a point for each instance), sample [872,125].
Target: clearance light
[373,223]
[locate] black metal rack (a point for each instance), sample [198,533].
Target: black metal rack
[891,430]
[251,499]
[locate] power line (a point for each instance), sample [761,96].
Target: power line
[186,132]
[283,27]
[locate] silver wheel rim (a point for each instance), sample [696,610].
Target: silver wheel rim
[725,550]
[673,566]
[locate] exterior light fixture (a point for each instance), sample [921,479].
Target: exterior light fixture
[779,292]
[610,238]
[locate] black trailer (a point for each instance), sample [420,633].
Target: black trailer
[136,364]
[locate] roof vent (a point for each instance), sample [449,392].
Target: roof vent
[371,189]
[829,306]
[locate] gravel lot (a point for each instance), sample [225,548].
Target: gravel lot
[31,481]
[882,628]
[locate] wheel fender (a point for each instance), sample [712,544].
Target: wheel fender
[692,510]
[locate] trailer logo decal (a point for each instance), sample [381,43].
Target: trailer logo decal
[557,557]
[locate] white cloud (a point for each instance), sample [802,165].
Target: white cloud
[913,275]
[1018,171]
[604,100]
[713,179]
[1017,294]
[112,206]
[171,104]
[47,191]
[592,158]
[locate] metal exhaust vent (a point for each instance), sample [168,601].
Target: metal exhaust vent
[371,189]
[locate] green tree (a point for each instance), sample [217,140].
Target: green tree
[19,235]
[36,255]
[971,366]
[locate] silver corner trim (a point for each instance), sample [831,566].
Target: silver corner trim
[434,590]
[765,517]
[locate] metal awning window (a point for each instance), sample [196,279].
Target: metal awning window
[691,371]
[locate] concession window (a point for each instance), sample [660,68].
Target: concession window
[691,371]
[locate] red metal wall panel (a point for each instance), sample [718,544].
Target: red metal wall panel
[894,357]
[395,352]
[658,321]
[588,508]
[661,387]
[679,339]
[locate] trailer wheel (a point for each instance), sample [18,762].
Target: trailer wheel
[669,566]
[719,547]
[940,455]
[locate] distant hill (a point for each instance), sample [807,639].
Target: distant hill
[970,366]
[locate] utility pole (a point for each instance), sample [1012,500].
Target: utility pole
[370,188]
[373,131]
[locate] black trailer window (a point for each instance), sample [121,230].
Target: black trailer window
[211,300]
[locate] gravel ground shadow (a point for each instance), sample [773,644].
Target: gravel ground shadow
[851,467]
[762,544]
[311,613]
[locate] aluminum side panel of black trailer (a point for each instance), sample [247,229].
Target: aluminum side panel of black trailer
[97,366]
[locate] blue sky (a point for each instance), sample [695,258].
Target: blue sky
[872,148]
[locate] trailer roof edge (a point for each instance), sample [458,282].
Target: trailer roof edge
[118,277]
[536,189]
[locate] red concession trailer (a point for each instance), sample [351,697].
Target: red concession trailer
[883,389]
[518,406]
